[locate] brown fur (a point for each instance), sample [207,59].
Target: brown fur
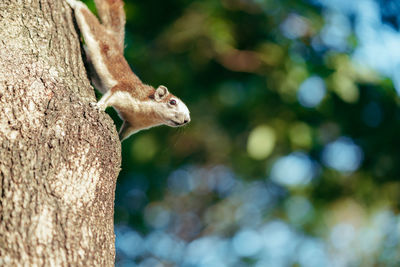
[145,119]
[112,15]
[115,60]
[139,91]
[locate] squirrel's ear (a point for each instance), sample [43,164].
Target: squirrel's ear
[161,93]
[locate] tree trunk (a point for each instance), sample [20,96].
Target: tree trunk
[59,157]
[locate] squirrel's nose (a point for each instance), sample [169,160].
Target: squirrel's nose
[186,120]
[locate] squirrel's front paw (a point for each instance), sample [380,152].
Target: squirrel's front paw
[97,105]
[94,105]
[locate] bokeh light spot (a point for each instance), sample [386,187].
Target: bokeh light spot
[298,210]
[209,251]
[345,88]
[342,236]
[128,241]
[157,216]
[279,240]
[312,253]
[311,92]
[144,148]
[165,246]
[336,31]
[181,182]
[293,170]
[151,262]
[261,142]
[342,155]
[294,26]
[247,243]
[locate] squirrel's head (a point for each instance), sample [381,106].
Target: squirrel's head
[173,111]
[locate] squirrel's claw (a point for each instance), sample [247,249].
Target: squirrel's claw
[95,105]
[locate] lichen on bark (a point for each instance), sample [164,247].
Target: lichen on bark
[59,157]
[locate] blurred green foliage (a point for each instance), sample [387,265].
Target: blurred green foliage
[262,151]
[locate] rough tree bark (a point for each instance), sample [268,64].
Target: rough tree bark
[59,158]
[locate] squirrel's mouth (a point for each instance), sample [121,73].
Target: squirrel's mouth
[175,123]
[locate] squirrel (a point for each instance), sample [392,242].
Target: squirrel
[140,106]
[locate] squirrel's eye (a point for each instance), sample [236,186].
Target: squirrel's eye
[172,102]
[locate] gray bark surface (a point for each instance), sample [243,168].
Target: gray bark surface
[59,157]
